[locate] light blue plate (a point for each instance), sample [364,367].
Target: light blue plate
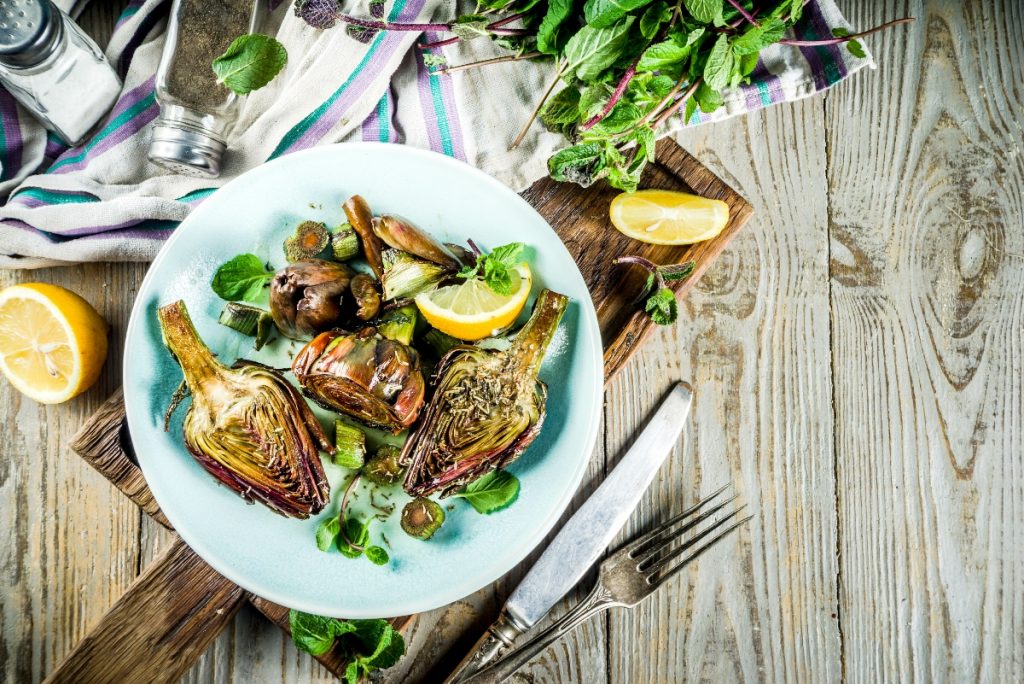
[276,557]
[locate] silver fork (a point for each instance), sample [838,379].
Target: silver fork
[631,574]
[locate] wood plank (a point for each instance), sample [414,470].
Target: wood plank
[196,602]
[753,338]
[927,264]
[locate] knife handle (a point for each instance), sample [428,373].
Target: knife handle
[495,641]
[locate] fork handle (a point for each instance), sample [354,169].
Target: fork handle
[497,639]
[598,600]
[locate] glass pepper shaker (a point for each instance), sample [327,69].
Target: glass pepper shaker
[195,110]
[52,68]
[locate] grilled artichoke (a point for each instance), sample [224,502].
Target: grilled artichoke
[487,407]
[307,297]
[373,379]
[247,426]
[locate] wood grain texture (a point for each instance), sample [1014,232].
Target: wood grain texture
[921,188]
[198,604]
[927,263]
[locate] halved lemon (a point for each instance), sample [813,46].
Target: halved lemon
[664,217]
[52,342]
[472,310]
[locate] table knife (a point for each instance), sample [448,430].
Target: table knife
[586,535]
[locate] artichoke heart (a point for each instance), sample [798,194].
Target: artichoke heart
[364,375]
[247,426]
[487,407]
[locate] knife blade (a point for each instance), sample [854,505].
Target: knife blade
[586,535]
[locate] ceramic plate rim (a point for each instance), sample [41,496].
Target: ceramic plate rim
[252,584]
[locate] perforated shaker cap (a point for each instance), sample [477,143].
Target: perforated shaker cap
[29,31]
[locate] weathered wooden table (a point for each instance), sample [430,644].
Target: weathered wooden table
[858,356]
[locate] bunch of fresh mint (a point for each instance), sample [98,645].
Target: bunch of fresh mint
[370,645]
[627,66]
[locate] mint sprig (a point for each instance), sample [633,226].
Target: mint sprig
[370,645]
[494,268]
[491,492]
[250,62]
[660,299]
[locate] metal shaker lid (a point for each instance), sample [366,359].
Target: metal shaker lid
[29,31]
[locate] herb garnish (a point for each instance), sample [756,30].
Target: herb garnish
[250,62]
[241,278]
[494,268]
[491,492]
[370,644]
[349,534]
[661,303]
[628,66]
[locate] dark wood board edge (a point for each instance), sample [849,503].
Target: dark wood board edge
[196,604]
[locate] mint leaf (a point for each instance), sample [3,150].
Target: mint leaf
[856,49]
[250,62]
[604,13]
[356,533]
[718,68]
[377,555]
[380,641]
[492,492]
[327,532]
[241,278]
[622,117]
[705,11]
[677,271]
[663,54]
[507,255]
[662,307]
[315,634]
[756,38]
[591,50]
[653,17]
[581,164]
[548,36]
[496,267]
[563,108]
[470,26]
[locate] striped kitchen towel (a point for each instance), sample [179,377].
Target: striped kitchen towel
[103,201]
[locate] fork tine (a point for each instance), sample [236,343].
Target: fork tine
[636,544]
[658,558]
[666,575]
[665,534]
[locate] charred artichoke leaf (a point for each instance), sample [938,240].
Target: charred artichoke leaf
[488,406]
[402,234]
[364,291]
[307,297]
[247,426]
[364,375]
[406,276]
[399,323]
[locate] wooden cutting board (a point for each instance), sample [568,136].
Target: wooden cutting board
[172,612]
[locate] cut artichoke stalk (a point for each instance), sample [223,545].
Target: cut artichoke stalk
[309,240]
[406,276]
[349,445]
[344,243]
[385,467]
[487,407]
[247,426]
[249,320]
[307,297]
[399,324]
[401,234]
[421,518]
[364,375]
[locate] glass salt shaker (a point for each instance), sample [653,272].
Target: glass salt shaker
[52,68]
[196,111]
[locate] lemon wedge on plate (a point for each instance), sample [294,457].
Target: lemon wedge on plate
[52,342]
[664,217]
[471,310]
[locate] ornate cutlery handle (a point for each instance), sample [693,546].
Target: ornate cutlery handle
[498,638]
[598,600]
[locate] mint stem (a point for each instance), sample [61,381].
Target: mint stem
[490,27]
[616,96]
[743,12]
[492,60]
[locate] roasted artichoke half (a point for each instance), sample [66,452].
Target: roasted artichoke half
[364,375]
[247,426]
[487,407]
